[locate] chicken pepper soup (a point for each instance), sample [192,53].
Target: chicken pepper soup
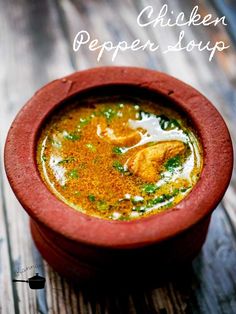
[119,158]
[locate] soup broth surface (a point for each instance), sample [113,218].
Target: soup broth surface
[119,158]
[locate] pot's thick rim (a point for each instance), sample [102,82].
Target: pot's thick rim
[47,209]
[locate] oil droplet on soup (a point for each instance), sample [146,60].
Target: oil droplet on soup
[117,158]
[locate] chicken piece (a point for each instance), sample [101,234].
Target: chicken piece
[132,137]
[127,140]
[147,162]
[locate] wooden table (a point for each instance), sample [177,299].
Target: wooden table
[36,46]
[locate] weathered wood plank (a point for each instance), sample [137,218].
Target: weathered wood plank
[33,52]
[214,269]
[7,292]
[227,8]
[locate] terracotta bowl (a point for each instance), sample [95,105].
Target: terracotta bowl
[81,247]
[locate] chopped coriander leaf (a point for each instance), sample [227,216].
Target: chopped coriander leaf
[73,174]
[44,158]
[66,160]
[91,147]
[175,192]
[169,204]
[109,113]
[84,121]
[162,198]
[117,150]
[140,209]
[137,199]
[102,205]
[173,124]
[168,196]
[149,188]
[163,120]
[56,144]
[77,193]
[118,166]
[173,163]
[159,199]
[185,189]
[156,200]
[71,136]
[166,123]
[91,197]
[186,132]
[143,114]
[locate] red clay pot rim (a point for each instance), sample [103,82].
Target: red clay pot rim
[46,209]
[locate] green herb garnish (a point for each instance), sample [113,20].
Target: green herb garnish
[140,209]
[109,113]
[118,166]
[149,188]
[56,143]
[156,200]
[173,124]
[175,192]
[162,198]
[102,205]
[91,147]
[73,174]
[92,198]
[66,160]
[71,136]
[166,123]
[173,163]
[84,121]
[169,204]
[185,189]
[44,158]
[137,199]
[143,114]
[117,150]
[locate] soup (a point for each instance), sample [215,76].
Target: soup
[119,158]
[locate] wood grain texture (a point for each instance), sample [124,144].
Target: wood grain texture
[36,47]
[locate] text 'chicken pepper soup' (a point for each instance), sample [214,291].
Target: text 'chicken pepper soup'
[119,158]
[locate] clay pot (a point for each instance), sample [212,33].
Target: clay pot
[82,247]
